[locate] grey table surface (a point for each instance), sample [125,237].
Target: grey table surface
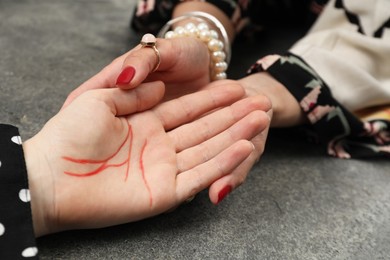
[297,203]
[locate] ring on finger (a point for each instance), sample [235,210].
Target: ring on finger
[149,41]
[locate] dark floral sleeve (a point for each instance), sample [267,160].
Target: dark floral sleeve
[248,17]
[151,15]
[345,134]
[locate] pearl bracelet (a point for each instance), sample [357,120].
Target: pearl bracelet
[219,51]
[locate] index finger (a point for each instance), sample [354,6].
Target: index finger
[106,78]
[135,65]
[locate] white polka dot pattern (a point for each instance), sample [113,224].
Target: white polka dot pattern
[30,252]
[2,229]
[17,238]
[16,139]
[24,195]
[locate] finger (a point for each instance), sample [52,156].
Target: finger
[106,78]
[225,185]
[247,128]
[173,53]
[186,108]
[214,123]
[138,65]
[142,61]
[124,102]
[191,182]
[264,102]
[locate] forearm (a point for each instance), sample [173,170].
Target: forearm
[208,24]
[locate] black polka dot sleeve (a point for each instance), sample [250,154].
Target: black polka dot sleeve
[17,240]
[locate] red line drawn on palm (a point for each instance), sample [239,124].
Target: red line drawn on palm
[105,163]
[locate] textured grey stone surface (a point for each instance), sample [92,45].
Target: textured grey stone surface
[297,203]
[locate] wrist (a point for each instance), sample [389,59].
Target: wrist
[216,41]
[286,111]
[40,187]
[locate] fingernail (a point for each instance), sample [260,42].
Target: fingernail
[125,76]
[224,192]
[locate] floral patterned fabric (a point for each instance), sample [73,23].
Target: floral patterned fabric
[346,135]
[360,134]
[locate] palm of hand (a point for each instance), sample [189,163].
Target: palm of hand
[131,177]
[108,169]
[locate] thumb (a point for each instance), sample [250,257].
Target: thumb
[127,71]
[143,60]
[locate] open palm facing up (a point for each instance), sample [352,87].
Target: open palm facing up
[105,159]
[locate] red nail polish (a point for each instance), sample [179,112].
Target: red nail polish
[126,76]
[225,191]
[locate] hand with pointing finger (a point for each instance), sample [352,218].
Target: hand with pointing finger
[184,68]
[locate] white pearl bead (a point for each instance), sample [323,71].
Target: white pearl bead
[180,31]
[221,75]
[203,26]
[205,36]
[189,26]
[220,66]
[193,32]
[218,56]
[149,39]
[214,34]
[170,35]
[215,45]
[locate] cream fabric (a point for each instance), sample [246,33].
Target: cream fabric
[356,66]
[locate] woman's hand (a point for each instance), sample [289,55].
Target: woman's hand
[223,186]
[184,68]
[101,162]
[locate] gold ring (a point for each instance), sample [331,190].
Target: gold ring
[149,40]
